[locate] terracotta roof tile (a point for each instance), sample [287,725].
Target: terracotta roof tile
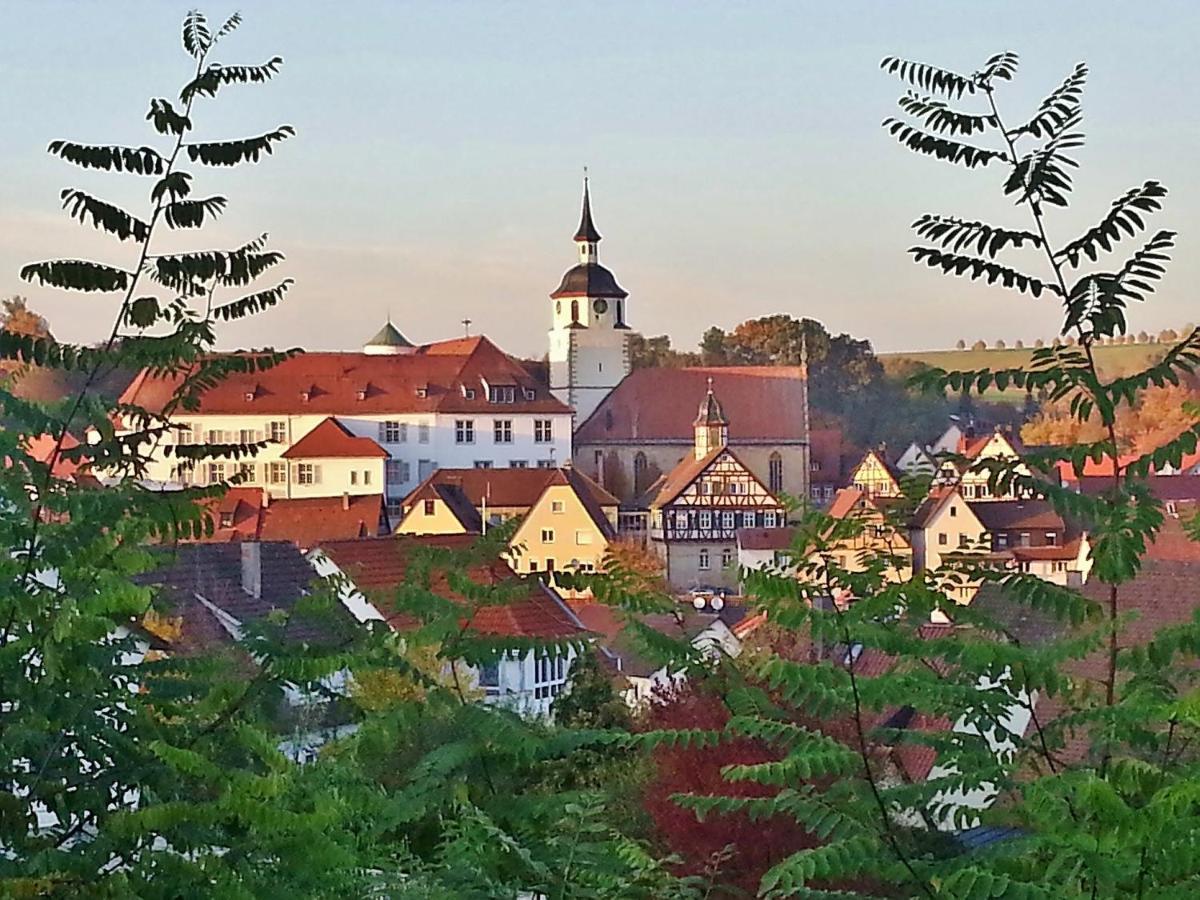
[766,538]
[430,379]
[378,566]
[307,521]
[765,404]
[332,440]
[1007,515]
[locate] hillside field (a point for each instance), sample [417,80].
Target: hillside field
[1114,361]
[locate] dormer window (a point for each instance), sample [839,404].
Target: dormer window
[528,393]
[468,392]
[305,396]
[227,520]
[502,393]
[423,391]
[249,396]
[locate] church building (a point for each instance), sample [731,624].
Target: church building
[589,337]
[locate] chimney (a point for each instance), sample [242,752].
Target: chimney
[345,501]
[252,568]
[266,498]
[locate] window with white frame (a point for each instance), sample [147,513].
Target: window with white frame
[184,434]
[703,563]
[681,520]
[422,432]
[583,537]
[502,393]
[277,431]
[366,476]
[543,431]
[464,431]
[549,675]
[502,431]
[247,436]
[308,473]
[545,464]
[728,520]
[547,535]
[726,557]
[557,506]
[354,476]
[246,471]
[518,464]
[705,519]
[770,520]
[747,520]
[215,472]
[483,463]
[276,473]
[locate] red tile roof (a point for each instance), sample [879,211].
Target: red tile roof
[844,501]
[765,538]
[42,447]
[430,379]
[333,440]
[763,403]
[1009,515]
[308,521]
[304,522]
[1164,487]
[378,566]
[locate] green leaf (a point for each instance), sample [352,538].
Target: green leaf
[253,303]
[208,82]
[927,77]
[1057,109]
[955,234]
[954,264]
[230,153]
[1123,218]
[138,160]
[196,37]
[938,147]
[104,216]
[193,213]
[165,119]
[77,275]
[941,118]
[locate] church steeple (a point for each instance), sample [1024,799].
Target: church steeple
[711,426]
[587,237]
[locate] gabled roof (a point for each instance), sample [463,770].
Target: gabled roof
[1164,487]
[930,506]
[430,379]
[304,522]
[378,566]
[766,538]
[333,440]
[308,521]
[1008,515]
[766,405]
[879,458]
[688,470]
[465,492]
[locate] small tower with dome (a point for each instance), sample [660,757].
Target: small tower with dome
[388,342]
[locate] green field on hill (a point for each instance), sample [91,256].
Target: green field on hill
[1114,361]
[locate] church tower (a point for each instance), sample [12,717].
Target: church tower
[711,428]
[589,352]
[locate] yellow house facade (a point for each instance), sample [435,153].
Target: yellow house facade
[874,477]
[877,536]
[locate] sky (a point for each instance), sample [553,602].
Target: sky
[738,167]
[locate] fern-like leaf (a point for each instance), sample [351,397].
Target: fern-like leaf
[938,147]
[941,118]
[77,275]
[193,213]
[196,36]
[927,77]
[956,234]
[137,160]
[1123,218]
[208,82]
[104,216]
[230,153]
[254,303]
[955,264]
[1057,109]
[1043,176]
[1002,66]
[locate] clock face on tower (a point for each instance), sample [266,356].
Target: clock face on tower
[601,307]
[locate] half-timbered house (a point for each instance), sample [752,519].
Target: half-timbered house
[699,506]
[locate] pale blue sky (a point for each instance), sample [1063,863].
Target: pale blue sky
[737,161]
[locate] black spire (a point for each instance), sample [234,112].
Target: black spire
[587,231]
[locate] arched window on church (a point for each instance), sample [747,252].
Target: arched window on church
[775,472]
[640,468]
[620,312]
[574,310]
